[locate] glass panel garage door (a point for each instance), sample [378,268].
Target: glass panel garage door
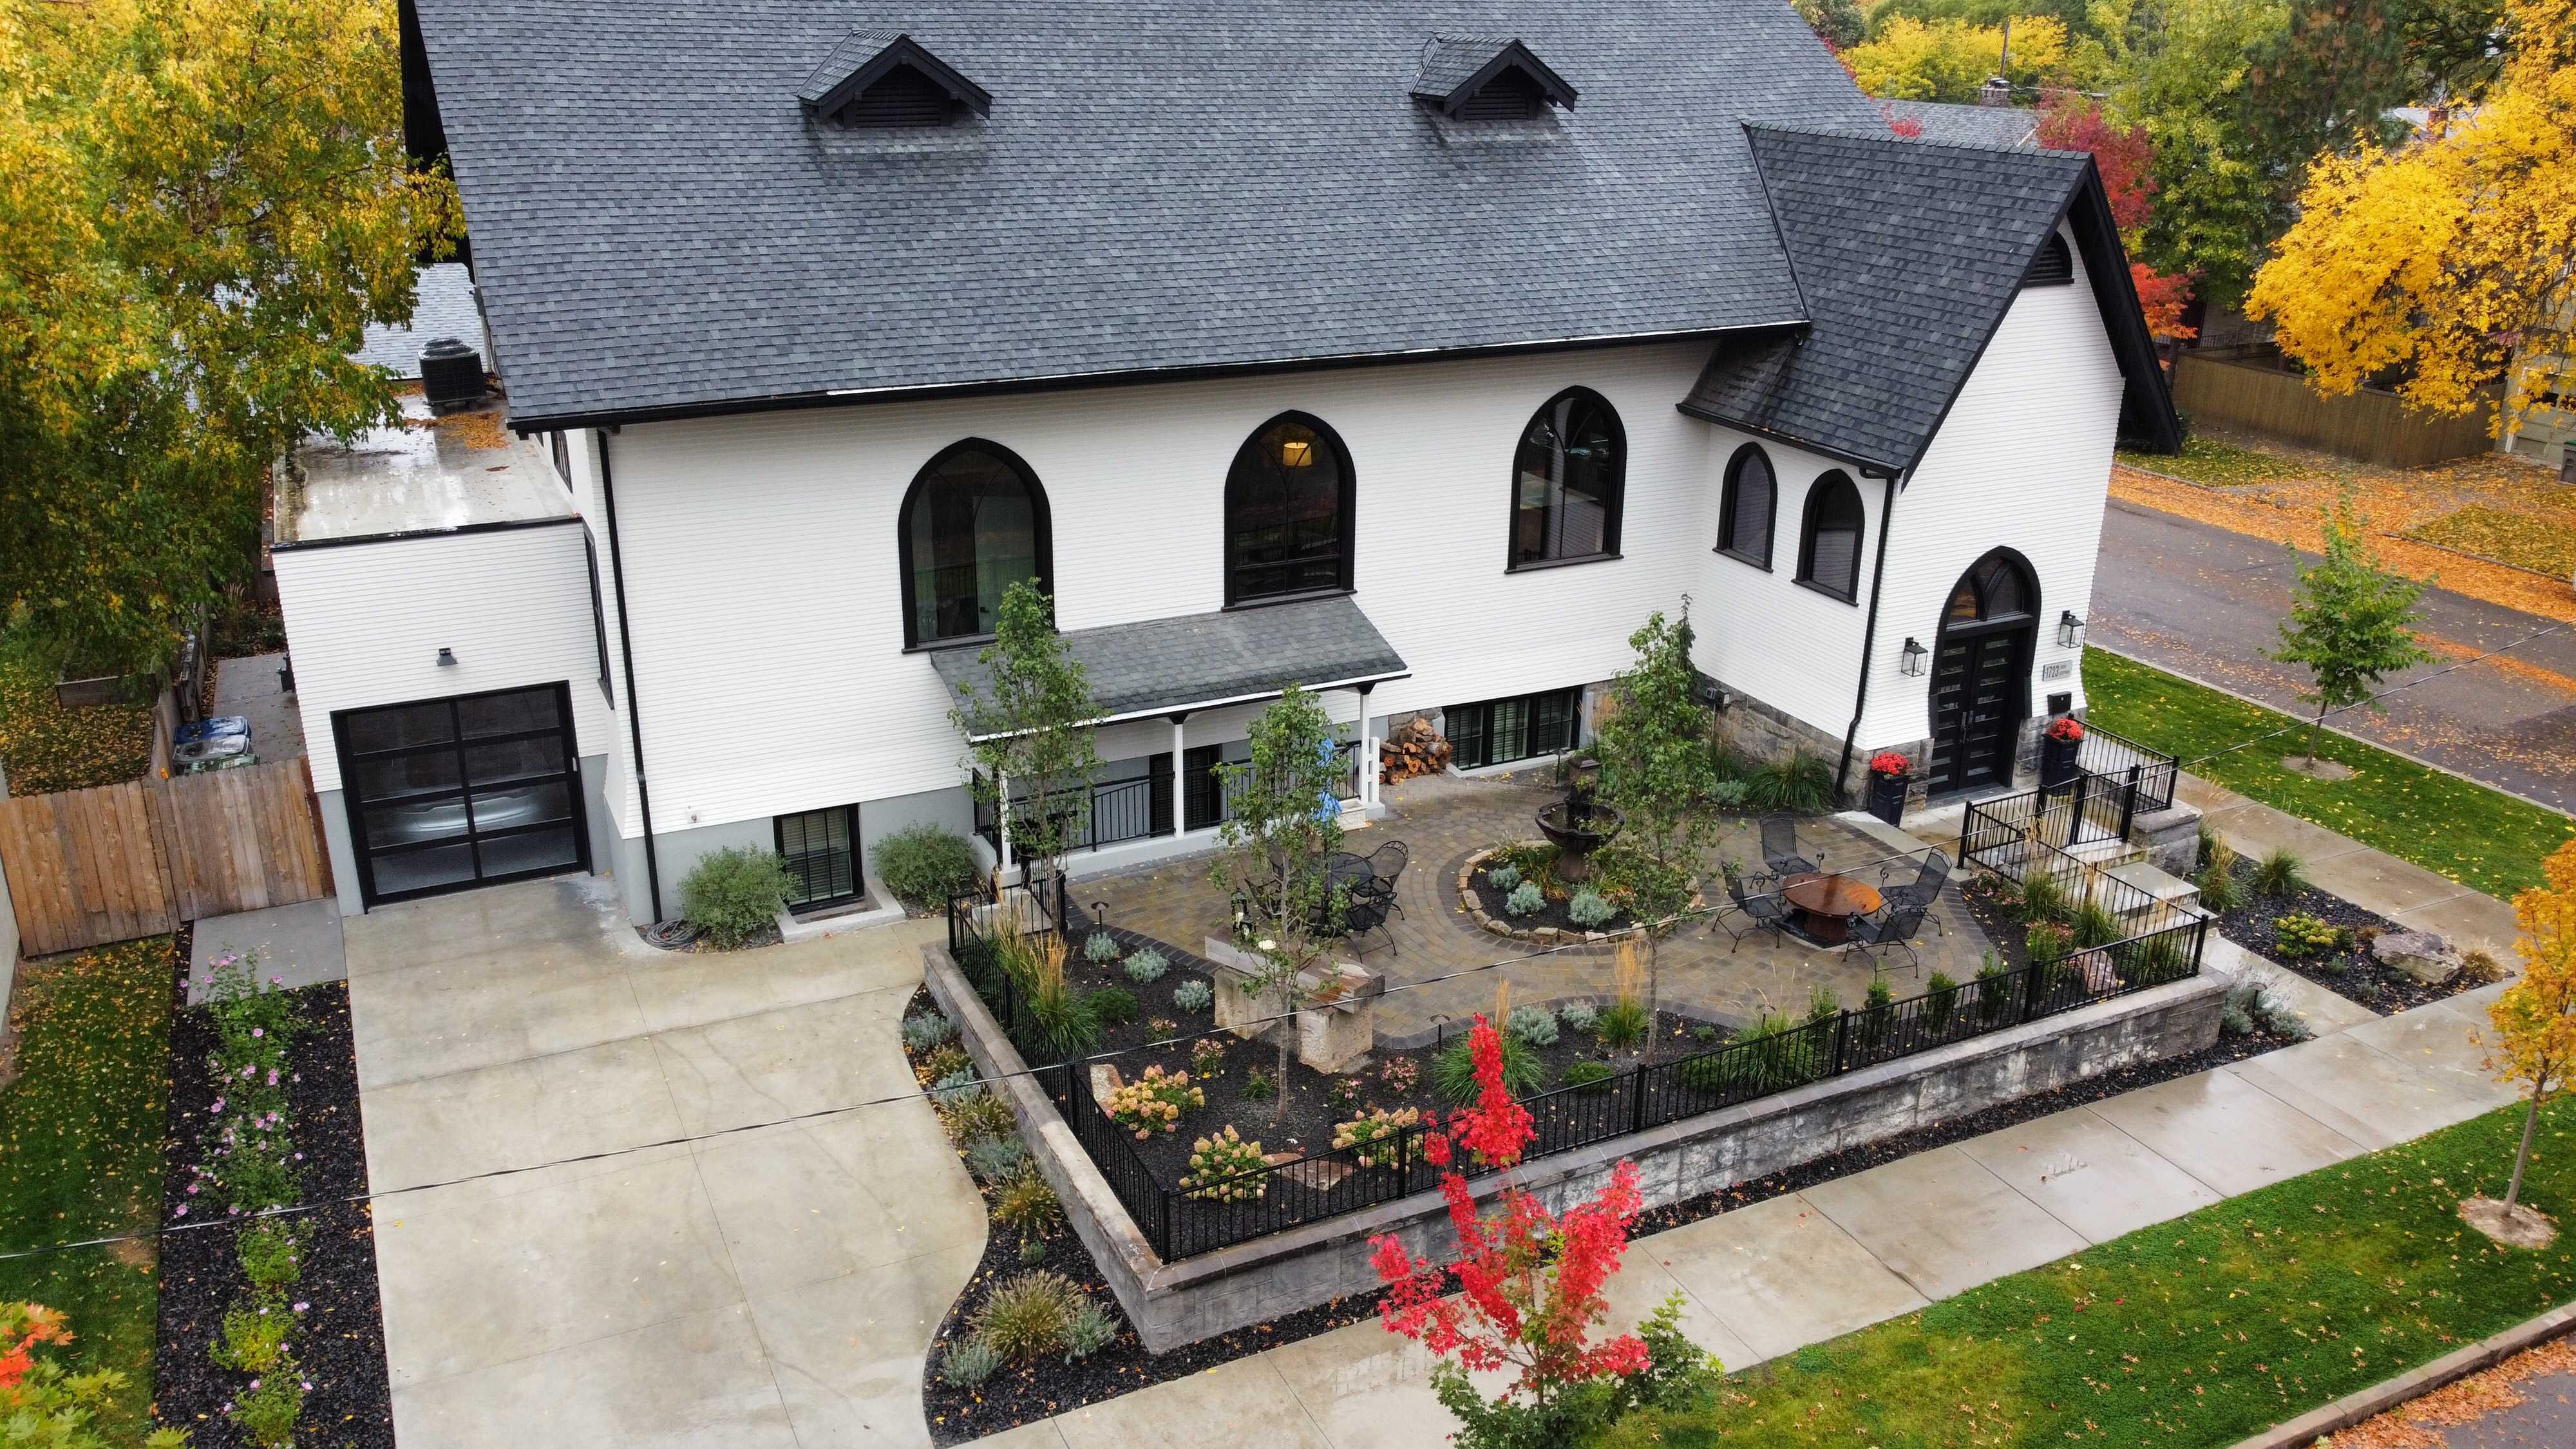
[460,792]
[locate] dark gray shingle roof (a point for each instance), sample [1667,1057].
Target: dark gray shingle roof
[1907,255]
[2008,128]
[1160,184]
[1203,659]
[1448,61]
[854,50]
[442,306]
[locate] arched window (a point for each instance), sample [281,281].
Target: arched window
[1829,543]
[1288,506]
[1744,513]
[1996,587]
[1566,480]
[974,524]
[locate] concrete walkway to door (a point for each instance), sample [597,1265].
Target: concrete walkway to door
[769,1287]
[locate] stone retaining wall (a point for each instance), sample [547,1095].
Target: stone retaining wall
[1172,1304]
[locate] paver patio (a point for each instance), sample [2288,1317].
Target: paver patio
[1443,820]
[769,1287]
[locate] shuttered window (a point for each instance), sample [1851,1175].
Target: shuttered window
[1829,546]
[1744,519]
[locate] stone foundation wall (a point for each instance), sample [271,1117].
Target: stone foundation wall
[1172,1304]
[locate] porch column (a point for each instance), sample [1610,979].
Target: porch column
[1367,752]
[1180,748]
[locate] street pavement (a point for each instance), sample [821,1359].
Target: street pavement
[2206,602]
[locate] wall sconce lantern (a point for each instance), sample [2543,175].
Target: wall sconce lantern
[1910,663]
[2070,630]
[446,658]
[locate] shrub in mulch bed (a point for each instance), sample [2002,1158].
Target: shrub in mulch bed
[1533,864]
[337,1339]
[1030,1390]
[2340,960]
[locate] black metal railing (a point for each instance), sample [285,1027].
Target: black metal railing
[1039,906]
[1317,1185]
[1121,810]
[2122,762]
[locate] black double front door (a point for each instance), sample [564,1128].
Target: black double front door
[1980,685]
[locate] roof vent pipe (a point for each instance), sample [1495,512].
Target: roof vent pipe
[451,373]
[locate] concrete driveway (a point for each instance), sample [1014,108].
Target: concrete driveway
[2205,602]
[770,1286]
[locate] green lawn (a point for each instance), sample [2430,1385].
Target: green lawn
[81,1153]
[2484,839]
[2221,465]
[44,747]
[2194,1333]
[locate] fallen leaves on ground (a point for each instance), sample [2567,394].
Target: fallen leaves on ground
[2418,1424]
[45,747]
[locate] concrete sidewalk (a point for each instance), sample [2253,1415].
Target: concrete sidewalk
[1769,1279]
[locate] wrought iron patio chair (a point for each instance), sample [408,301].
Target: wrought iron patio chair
[1924,890]
[1780,847]
[1387,862]
[1889,925]
[1761,909]
[1363,914]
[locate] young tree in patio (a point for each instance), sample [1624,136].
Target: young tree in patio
[1029,731]
[2352,622]
[2535,1018]
[1657,773]
[1282,828]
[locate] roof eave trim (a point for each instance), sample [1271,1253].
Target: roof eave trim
[1109,377]
[1353,682]
[1876,468]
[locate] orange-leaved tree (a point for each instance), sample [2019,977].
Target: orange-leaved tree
[2535,1018]
[1529,1289]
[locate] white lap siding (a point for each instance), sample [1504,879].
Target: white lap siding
[366,621]
[762,565]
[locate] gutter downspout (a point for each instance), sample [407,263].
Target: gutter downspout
[1869,633]
[626,648]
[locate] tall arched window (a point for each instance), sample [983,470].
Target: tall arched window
[1566,481]
[974,524]
[1744,512]
[1829,543]
[1288,507]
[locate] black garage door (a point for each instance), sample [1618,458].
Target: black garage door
[452,793]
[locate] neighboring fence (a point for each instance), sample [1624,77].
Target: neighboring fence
[120,861]
[2246,387]
[1323,1184]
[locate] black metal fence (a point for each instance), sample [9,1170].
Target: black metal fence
[2121,763]
[1184,1222]
[1121,810]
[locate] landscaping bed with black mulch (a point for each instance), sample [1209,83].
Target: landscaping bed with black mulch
[340,1338]
[2338,957]
[1530,863]
[1037,1389]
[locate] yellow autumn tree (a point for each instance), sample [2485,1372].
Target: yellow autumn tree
[2535,1018]
[1950,60]
[2446,260]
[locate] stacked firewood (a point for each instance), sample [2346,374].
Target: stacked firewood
[1414,748]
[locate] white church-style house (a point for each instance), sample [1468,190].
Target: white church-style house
[1411,352]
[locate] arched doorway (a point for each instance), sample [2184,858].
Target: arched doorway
[1981,673]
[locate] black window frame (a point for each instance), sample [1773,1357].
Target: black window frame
[1041,527]
[598,614]
[1614,504]
[1727,543]
[1828,485]
[559,447]
[858,874]
[1347,515]
[1473,721]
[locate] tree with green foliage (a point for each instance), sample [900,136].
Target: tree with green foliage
[203,204]
[1028,729]
[1838,23]
[1656,771]
[1283,827]
[2352,621]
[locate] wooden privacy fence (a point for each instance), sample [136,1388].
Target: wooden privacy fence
[2245,387]
[136,859]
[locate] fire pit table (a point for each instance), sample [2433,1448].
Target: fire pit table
[1826,903]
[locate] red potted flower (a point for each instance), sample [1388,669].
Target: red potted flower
[2057,750]
[1891,773]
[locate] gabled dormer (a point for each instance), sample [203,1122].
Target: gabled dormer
[874,79]
[1482,78]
